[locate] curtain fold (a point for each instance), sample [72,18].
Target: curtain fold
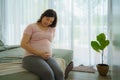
[79,21]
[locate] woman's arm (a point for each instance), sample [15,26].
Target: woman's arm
[25,44]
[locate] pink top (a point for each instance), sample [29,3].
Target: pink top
[40,39]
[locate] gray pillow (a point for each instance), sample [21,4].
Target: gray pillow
[1,43]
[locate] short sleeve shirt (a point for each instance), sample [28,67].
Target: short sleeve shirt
[40,39]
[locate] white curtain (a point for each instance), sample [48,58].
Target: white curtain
[79,21]
[17,14]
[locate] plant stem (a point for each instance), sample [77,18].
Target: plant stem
[102,56]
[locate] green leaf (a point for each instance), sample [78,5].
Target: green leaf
[95,46]
[107,42]
[101,38]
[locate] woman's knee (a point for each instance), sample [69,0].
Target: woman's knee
[59,73]
[47,75]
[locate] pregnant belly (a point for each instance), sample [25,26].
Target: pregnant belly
[42,45]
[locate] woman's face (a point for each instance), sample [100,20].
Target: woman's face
[47,21]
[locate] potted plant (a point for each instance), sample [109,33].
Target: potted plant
[99,45]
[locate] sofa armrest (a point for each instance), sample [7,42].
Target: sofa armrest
[2,48]
[65,54]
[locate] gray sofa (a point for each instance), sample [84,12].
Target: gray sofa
[14,54]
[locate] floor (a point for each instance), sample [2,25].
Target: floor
[86,76]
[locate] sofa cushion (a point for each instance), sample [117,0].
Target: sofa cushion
[61,63]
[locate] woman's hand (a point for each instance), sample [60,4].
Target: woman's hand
[46,55]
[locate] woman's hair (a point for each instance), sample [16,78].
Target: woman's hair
[49,13]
